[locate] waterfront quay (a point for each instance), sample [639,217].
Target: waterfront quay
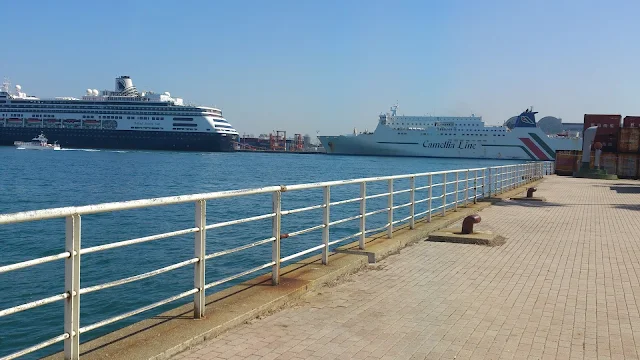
[562,286]
[289,236]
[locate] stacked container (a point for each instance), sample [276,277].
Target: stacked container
[567,161]
[628,148]
[627,166]
[631,122]
[629,140]
[608,128]
[608,161]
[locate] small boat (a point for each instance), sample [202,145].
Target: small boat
[37,143]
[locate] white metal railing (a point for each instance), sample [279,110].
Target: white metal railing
[458,188]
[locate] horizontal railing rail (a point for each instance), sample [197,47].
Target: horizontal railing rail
[444,191]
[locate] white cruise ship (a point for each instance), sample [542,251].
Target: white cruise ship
[120,119]
[452,137]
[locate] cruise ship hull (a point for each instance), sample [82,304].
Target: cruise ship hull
[122,139]
[519,144]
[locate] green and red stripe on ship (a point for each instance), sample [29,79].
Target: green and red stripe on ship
[534,152]
[540,154]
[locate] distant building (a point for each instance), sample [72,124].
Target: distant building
[573,127]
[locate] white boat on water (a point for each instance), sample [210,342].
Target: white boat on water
[37,143]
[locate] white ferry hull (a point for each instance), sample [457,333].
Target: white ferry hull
[518,144]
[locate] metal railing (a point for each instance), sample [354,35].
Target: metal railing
[457,188]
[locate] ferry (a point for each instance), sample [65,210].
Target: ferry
[452,137]
[37,143]
[121,119]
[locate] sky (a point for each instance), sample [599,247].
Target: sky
[331,66]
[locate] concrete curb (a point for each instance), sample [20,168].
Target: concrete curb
[174,331]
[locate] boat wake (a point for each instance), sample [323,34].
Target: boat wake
[87,150]
[95,150]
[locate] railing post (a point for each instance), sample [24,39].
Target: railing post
[512,177]
[72,287]
[390,213]
[200,247]
[444,194]
[534,171]
[325,221]
[363,213]
[531,172]
[475,186]
[429,193]
[506,179]
[517,175]
[484,179]
[490,182]
[521,177]
[412,199]
[455,196]
[276,206]
[466,189]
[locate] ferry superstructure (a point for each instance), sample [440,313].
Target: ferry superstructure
[452,137]
[120,119]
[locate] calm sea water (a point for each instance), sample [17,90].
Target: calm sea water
[32,180]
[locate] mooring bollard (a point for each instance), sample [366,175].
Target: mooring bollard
[467,223]
[530,191]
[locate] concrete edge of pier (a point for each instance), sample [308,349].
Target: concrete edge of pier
[174,331]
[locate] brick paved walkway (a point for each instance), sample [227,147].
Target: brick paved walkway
[565,286]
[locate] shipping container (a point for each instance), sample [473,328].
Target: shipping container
[608,161]
[628,166]
[631,122]
[609,142]
[629,140]
[567,162]
[607,124]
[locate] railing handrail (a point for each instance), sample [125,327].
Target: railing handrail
[490,180]
[53,213]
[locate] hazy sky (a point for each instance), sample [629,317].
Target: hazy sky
[330,66]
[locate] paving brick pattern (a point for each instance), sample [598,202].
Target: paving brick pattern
[565,286]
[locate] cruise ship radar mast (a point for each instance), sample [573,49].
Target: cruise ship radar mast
[5,85]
